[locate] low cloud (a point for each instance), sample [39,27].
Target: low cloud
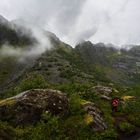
[43,44]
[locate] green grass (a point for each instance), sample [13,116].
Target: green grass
[127,128]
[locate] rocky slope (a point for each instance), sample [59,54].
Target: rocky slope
[27,108]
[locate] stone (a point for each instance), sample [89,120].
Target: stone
[106,98]
[98,124]
[28,107]
[102,90]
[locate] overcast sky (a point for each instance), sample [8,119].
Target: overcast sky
[108,21]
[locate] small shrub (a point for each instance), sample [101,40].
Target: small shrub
[6,132]
[108,135]
[134,119]
[33,81]
[127,128]
[88,119]
[75,105]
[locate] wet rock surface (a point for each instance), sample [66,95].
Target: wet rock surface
[98,123]
[27,107]
[102,90]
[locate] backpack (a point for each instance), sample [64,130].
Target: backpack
[115,102]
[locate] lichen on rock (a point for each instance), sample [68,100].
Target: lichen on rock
[94,117]
[27,107]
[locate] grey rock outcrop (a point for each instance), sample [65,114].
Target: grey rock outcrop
[27,107]
[102,90]
[98,116]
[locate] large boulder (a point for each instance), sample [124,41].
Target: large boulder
[95,117]
[104,92]
[27,107]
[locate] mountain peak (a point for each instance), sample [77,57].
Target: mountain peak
[85,43]
[3,20]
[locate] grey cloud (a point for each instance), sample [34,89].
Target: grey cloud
[109,21]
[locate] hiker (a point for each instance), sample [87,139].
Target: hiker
[115,103]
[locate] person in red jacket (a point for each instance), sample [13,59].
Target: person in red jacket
[115,103]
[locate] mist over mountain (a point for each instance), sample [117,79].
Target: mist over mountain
[22,40]
[11,35]
[28,44]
